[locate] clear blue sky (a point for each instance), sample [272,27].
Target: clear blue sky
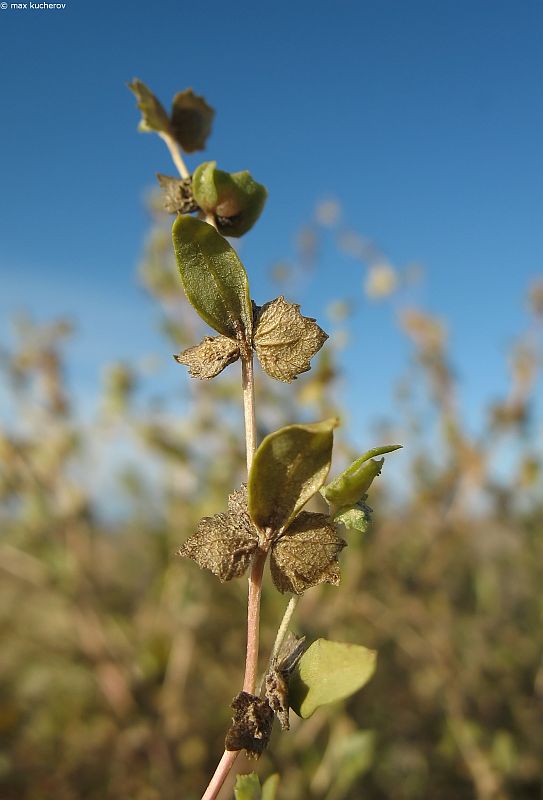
[423,117]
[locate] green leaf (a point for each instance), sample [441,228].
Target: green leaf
[213,277]
[191,120]
[288,468]
[349,487]
[224,543]
[208,183]
[329,671]
[349,757]
[306,554]
[153,114]
[235,199]
[269,790]
[248,787]
[355,518]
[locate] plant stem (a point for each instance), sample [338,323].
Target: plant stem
[255,579]
[175,152]
[247,379]
[253,622]
[281,633]
[257,569]
[283,627]
[223,768]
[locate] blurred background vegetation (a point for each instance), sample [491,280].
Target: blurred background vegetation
[118,661]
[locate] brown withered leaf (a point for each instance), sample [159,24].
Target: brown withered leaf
[177,194]
[251,725]
[277,696]
[285,340]
[191,120]
[306,554]
[224,543]
[278,676]
[211,356]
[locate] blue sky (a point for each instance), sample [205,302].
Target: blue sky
[423,118]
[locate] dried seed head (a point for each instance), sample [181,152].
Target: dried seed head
[251,725]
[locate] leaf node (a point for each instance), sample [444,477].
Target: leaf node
[177,194]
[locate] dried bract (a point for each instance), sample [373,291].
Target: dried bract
[210,357]
[306,554]
[191,120]
[177,194]
[251,725]
[224,543]
[285,340]
[278,676]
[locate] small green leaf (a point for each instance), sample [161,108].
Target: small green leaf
[289,467]
[208,183]
[247,787]
[213,277]
[349,487]
[235,199]
[153,114]
[349,757]
[355,518]
[329,671]
[191,120]
[269,790]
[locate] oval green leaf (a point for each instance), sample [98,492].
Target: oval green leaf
[247,787]
[288,468]
[327,672]
[213,277]
[153,113]
[269,789]
[353,483]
